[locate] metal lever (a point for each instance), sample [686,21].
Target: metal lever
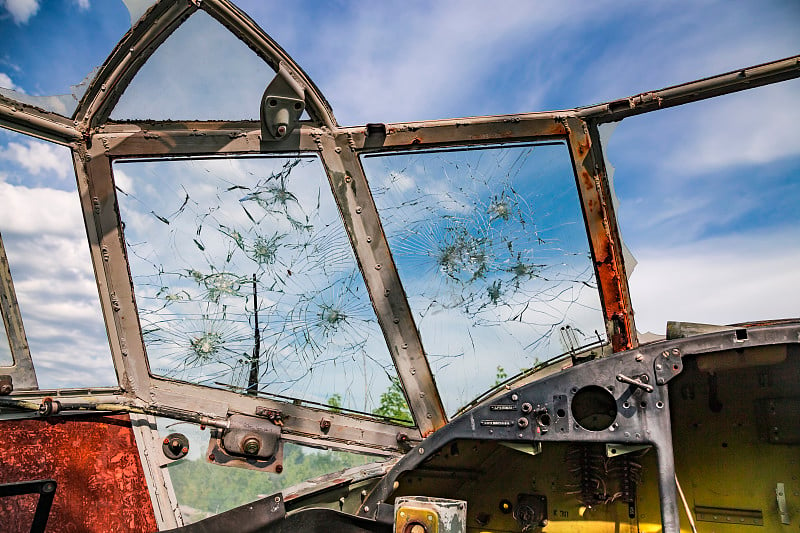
[635,382]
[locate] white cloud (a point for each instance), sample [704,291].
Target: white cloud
[48,254]
[83,4]
[123,181]
[7,83]
[405,64]
[21,10]
[29,211]
[754,127]
[721,281]
[38,157]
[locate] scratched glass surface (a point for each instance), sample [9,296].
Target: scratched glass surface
[220,77]
[43,232]
[51,52]
[491,247]
[198,231]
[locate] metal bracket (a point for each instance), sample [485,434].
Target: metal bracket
[613,450]
[413,513]
[721,515]
[780,495]
[281,106]
[175,446]
[250,443]
[6,385]
[667,365]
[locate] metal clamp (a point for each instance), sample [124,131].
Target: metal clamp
[281,106]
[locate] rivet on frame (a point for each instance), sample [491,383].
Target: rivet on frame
[115,302]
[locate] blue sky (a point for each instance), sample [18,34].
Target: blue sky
[707,192]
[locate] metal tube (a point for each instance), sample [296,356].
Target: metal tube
[670,518]
[730,82]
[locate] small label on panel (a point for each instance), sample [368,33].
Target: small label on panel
[502,423]
[502,407]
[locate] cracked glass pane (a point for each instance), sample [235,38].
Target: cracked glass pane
[43,232]
[210,242]
[491,247]
[49,53]
[220,78]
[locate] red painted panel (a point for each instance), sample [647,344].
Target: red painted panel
[94,460]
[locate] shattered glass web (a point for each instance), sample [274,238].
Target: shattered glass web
[198,230]
[492,251]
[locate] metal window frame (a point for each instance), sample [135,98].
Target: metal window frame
[21,369]
[96,143]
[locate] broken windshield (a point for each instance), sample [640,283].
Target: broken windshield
[236,257]
[491,246]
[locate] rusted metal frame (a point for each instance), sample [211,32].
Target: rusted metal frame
[300,423]
[98,201]
[451,132]
[737,80]
[601,225]
[241,25]
[201,405]
[100,395]
[360,216]
[126,59]
[167,138]
[30,120]
[21,371]
[197,139]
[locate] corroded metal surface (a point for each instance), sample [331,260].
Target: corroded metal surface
[95,462]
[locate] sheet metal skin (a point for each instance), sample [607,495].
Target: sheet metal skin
[96,464]
[98,143]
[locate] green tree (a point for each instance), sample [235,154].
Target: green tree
[501,376]
[335,401]
[393,403]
